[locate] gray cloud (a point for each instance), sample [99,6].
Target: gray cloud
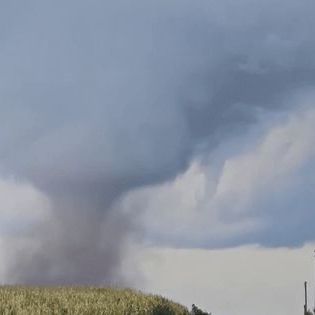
[102,97]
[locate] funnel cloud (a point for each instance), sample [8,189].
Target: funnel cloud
[102,98]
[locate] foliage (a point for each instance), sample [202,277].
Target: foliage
[197,311]
[83,301]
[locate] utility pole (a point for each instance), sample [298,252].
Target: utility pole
[305,296]
[314,284]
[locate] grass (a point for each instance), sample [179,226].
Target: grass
[83,301]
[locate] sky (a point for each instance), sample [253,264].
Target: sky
[163,145]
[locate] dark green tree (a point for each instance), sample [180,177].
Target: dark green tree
[197,311]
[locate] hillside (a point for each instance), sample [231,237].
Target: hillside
[83,301]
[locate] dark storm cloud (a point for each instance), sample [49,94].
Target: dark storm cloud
[100,97]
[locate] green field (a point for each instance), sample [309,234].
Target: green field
[83,301]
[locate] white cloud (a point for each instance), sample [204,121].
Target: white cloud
[210,204]
[21,204]
[283,150]
[22,207]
